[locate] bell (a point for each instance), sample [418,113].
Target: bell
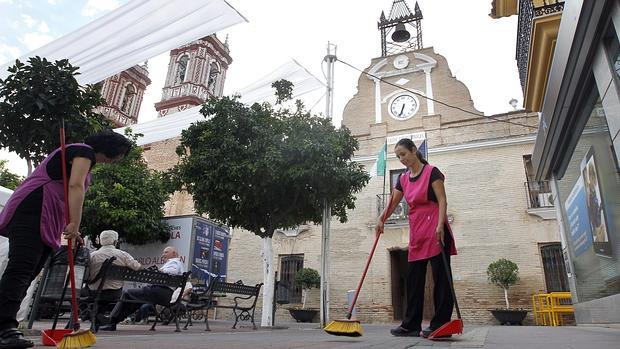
[400,34]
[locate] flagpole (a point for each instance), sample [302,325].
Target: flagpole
[330,59]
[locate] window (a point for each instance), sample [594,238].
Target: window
[182,68]
[130,93]
[538,192]
[554,267]
[289,266]
[214,72]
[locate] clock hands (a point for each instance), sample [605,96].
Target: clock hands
[401,110]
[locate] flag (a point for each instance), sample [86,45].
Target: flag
[378,169]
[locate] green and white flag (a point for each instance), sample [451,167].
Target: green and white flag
[378,169]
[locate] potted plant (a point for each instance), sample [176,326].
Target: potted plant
[307,278]
[505,273]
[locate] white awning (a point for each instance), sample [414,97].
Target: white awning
[135,32]
[171,126]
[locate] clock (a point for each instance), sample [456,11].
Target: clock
[401,62]
[403,106]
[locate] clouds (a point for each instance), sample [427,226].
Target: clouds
[8,52]
[94,7]
[39,35]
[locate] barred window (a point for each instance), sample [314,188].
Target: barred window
[554,268]
[289,266]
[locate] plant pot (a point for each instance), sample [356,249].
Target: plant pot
[303,315]
[509,316]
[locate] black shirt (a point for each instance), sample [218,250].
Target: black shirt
[31,205]
[435,175]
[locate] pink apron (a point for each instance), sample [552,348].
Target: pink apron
[423,217]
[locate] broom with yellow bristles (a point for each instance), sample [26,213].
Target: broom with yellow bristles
[78,338]
[351,327]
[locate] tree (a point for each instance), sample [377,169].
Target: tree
[307,278]
[7,179]
[261,169]
[34,98]
[127,197]
[503,273]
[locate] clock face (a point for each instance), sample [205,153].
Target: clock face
[403,107]
[401,62]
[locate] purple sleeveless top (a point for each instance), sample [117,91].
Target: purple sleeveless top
[52,210]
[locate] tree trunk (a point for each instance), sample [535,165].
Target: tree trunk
[506,298]
[304,296]
[268,282]
[29,163]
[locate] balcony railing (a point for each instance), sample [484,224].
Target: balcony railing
[527,13]
[538,194]
[400,212]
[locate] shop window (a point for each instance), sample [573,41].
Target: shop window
[554,268]
[289,266]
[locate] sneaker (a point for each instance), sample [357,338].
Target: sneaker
[403,332]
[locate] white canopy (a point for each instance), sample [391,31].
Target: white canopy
[135,32]
[171,126]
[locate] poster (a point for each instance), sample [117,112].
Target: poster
[578,221]
[220,248]
[202,253]
[595,204]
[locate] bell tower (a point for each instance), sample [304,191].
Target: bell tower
[395,35]
[196,72]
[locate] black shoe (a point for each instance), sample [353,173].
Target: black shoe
[110,327]
[403,332]
[427,332]
[12,338]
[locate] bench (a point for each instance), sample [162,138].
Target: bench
[89,306]
[244,301]
[151,277]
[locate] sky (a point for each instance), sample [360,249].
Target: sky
[479,50]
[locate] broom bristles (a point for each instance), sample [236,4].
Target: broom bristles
[348,328]
[77,340]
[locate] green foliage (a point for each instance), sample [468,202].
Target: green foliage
[503,273]
[127,197]
[284,90]
[262,169]
[308,278]
[34,98]
[7,179]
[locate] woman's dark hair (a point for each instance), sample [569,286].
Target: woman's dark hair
[408,143]
[109,143]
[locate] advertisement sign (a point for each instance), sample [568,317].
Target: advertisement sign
[578,221]
[201,261]
[596,206]
[220,248]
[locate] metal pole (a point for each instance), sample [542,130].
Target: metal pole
[330,59]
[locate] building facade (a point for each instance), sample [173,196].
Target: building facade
[123,93]
[578,142]
[496,208]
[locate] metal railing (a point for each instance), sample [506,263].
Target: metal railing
[538,194]
[400,212]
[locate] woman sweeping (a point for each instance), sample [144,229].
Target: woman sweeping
[33,220]
[423,188]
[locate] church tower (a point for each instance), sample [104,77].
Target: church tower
[196,72]
[123,93]
[396,29]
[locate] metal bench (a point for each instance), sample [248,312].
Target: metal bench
[152,277]
[244,301]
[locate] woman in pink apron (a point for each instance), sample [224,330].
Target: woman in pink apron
[423,189]
[33,220]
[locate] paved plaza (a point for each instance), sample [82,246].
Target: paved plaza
[294,335]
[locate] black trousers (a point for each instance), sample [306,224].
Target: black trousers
[442,295]
[153,294]
[27,256]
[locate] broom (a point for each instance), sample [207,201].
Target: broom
[78,338]
[347,327]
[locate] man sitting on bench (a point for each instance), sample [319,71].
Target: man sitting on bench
[112,289]
[155,294]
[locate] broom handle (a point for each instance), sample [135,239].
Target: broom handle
[372,252]
[74,315]
[449,274]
